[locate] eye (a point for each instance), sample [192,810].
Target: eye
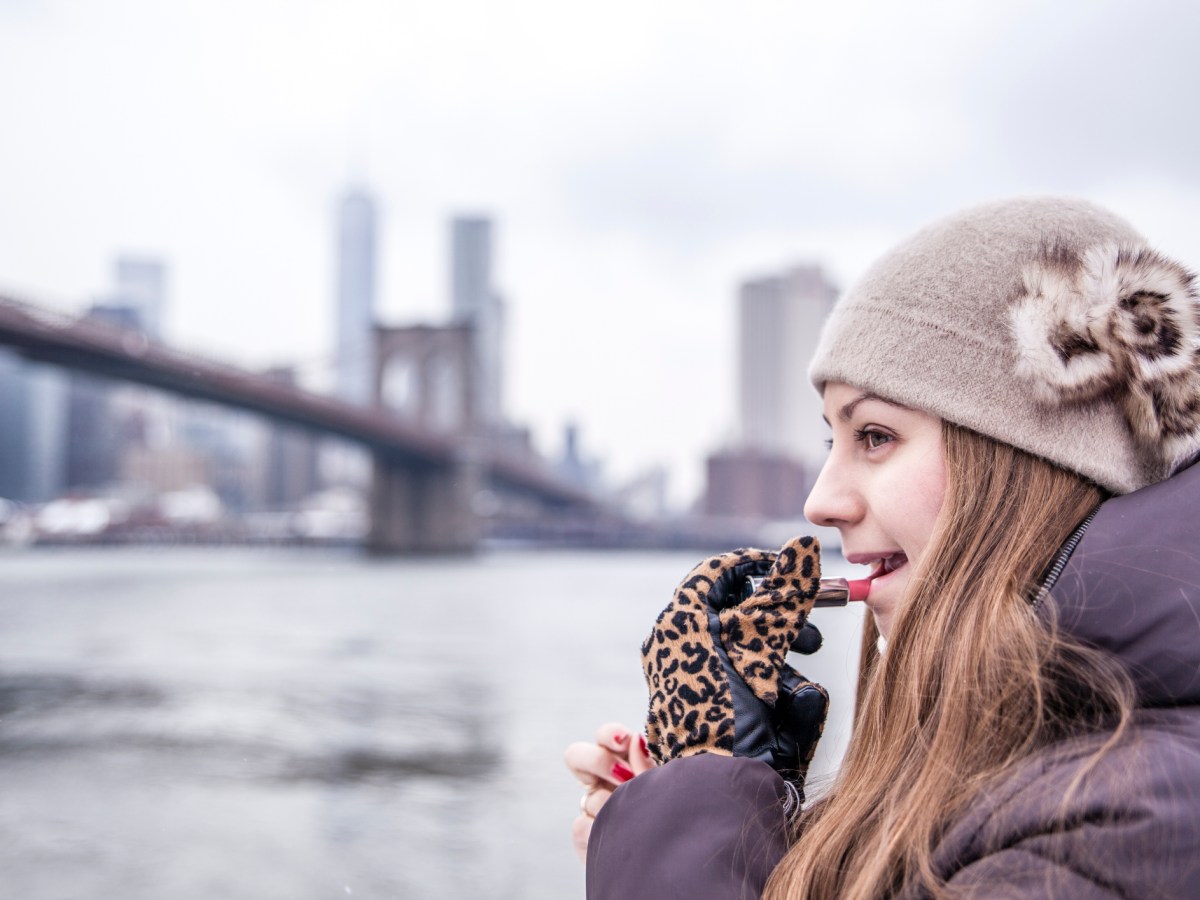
[872,438]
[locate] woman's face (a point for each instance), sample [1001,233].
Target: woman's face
[881,488]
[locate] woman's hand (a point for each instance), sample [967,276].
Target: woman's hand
[715,661]
[616,756]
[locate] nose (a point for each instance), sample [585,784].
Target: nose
[833,501]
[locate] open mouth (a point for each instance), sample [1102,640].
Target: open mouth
[888,565]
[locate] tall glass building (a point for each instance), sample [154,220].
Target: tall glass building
[474,300]
[356,255]
[32,424]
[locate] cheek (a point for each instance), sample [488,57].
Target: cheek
[928,492]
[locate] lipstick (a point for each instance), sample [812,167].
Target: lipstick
[840,591]
[833,591]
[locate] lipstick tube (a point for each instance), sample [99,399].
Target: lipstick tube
[833,591]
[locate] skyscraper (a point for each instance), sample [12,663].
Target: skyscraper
[767,474]
[32,410]
[780,320]
[94,428]
[142,287]
[95,406]
[474,300]
[289,456]
[354,353]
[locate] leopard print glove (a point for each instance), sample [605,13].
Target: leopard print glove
[715,663]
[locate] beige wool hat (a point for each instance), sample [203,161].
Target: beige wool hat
[1045,323]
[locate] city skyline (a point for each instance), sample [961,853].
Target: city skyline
[642,163]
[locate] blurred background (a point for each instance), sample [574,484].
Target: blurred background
[370,373]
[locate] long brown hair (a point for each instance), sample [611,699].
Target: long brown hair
[971,683]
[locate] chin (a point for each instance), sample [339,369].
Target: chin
[883,612]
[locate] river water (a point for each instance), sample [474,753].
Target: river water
[197,723]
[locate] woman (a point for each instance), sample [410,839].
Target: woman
[1014,399]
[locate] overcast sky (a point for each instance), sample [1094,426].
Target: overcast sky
[640,159]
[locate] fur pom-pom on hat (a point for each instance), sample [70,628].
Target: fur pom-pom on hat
[1120,321]
[1046,323]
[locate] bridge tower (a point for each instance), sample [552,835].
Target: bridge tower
[425,374]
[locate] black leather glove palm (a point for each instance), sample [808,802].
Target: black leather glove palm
[715,662]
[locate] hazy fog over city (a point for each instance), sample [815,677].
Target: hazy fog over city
[639,161]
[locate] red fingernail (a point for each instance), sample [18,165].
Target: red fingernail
[620,737]
[643,745]
[622,772]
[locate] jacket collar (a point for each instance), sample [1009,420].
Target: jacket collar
[1132,586]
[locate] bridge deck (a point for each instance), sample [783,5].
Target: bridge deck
[99,348]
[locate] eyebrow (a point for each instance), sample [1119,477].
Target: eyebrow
[847,411]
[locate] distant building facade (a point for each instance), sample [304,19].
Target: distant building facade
[573,466]
[32,420]
[751,484]
[779,322]
[61,431]
[766,473]
[225,442]
[475,301]
[141,287]
[357,225]
[290,472]
[93,445]
[95,434]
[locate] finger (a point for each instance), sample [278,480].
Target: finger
[615,737]
[802,708]
[593,801]
[808,640]
[581,830]
[639,756]
[727,572]
[593,765]
[797,557]
[795,576]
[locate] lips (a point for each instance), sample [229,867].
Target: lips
[886,565]
[882,563]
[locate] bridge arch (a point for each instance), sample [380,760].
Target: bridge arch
[428,481]
[425,373]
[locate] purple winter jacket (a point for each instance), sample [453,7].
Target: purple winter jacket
[711,826]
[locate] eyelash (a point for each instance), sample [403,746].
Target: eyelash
[864,436]
[861,436]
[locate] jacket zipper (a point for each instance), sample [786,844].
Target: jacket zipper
[1060,561]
